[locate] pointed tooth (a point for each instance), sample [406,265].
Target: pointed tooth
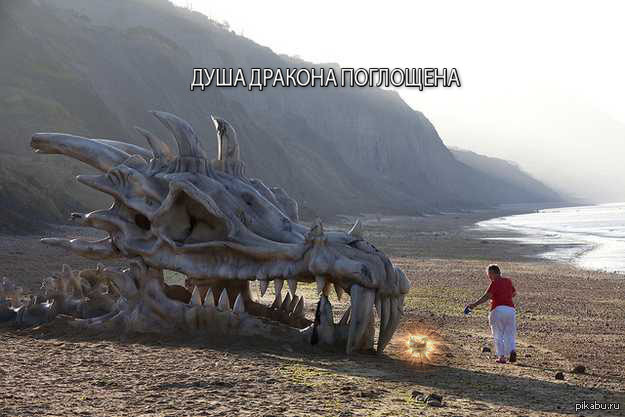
[209,299]
[339,291]
[224,302]
[386,332]
[299,308]
[286,302]
[321,284]
[292,286]
[369,333]
[378,305]
[345,319]
[386,312]
[263,287]
[278,284]
[196,300]
[325,312]
[362,305]
[239,305]
[293,304]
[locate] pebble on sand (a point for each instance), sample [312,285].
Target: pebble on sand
[560,376]
[485,349]
[579,369]
[432,400]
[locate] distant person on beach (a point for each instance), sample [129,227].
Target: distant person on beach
[502,317]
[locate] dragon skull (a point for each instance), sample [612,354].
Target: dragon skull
[206,219]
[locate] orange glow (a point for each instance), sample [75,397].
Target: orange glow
[420,347]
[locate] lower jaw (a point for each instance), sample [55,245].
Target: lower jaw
[226,308]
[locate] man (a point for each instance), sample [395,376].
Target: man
[502,316]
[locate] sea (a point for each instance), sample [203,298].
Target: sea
[589,237]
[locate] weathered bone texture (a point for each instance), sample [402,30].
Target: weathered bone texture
[210,222]
[68,293]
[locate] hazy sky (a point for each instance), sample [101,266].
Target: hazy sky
[542,82]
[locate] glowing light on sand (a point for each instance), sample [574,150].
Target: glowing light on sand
[420,347]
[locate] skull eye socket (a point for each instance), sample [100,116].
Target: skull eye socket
[142,222]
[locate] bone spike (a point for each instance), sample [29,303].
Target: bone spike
[227,141]
[196,300]
[263,287]
[129,148]
[99,155]
[321,284]
[378,305]
[339,291]
[316,230]
[286,302]
[345,318]
[239,305]
[356,230]
[224,302]
[101,249]
[362,305]
[404,283]
[299,308]
[160,150]
[188,142]
[209,298]
[292,286]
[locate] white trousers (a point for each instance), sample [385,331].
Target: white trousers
[502,322]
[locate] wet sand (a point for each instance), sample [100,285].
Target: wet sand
[566,317]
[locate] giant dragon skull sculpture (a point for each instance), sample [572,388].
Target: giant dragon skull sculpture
[205,219]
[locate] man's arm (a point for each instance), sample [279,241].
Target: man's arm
[482,300]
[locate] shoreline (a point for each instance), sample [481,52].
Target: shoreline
[588,237]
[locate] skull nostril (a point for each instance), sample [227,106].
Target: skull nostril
[143,222]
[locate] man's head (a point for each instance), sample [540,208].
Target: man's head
[493,271]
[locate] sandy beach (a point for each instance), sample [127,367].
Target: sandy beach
[567,317]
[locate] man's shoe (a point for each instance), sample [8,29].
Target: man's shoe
[512,356]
